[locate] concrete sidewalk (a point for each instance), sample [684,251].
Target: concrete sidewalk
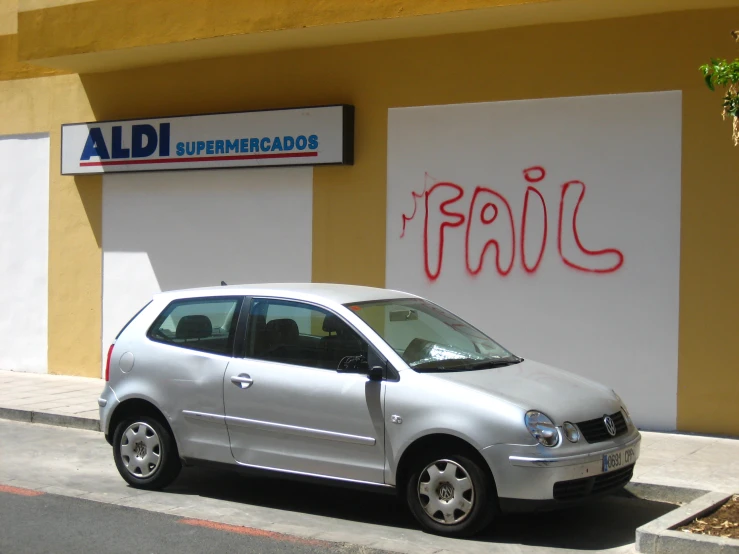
[667,459]
[51,399]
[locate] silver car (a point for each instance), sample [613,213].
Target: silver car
[361,386]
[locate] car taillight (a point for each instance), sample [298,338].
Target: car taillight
[107,364]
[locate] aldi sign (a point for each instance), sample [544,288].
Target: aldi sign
[300,136]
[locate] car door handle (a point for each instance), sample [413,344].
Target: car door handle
[242,380]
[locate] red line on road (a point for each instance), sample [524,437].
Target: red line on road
[252,532]
[19,491]
[202,159]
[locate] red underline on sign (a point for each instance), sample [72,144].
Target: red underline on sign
[202,159]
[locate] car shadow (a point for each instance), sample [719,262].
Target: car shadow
[610,522]
[296,496]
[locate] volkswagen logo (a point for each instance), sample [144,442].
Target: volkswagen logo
[610,425]
[446,492]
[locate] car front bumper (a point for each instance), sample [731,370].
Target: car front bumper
[525,478]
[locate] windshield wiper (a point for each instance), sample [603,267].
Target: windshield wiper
[435,366]
[489,364]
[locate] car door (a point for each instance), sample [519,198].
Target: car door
[288,408]
[191,344]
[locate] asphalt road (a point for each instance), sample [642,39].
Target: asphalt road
[78,465]
[54,524]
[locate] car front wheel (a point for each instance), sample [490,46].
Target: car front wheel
[450,495]
[145,453]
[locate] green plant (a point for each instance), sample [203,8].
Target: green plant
[725,74]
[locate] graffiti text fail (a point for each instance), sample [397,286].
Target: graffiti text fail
[490,216]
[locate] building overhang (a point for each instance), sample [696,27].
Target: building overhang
[98,35]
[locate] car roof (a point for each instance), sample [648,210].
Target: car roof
[320,292]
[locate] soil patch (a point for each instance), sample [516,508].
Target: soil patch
[723,522]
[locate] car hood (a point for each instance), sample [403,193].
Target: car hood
[561,395]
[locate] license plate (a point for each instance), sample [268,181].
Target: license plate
[618,459]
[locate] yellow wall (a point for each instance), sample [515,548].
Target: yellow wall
[111,36]
[8,17]
[629,55]
[10,67]
[41,105]
[28,5]
[105,25]
[614,56]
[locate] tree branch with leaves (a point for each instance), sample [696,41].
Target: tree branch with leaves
[725,74]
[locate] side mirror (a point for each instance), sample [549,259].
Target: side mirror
[376,373]
[358,364]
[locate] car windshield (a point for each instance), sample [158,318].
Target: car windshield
[431,339]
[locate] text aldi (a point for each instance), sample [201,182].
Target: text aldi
[302,136]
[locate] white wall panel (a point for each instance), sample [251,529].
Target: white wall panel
[24,252]
[607,307]
[173,230]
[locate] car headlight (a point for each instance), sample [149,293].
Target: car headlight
[542,428]
[571,431]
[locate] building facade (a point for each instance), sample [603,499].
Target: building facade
[554,171]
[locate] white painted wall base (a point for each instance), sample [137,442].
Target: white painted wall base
[183,229]
[24,252]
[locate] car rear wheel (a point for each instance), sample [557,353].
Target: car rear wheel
[145,453]
[450,495]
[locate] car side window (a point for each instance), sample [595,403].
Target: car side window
[205,324]
[301,334]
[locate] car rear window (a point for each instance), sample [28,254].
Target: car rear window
[205,324]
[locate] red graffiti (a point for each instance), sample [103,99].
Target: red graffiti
[416,196]
[458,220]
[527,268]
[484,214]
[590,253]
[487,219]
[534,174]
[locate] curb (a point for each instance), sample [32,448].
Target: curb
[663,493]
[60,420]
[659,537]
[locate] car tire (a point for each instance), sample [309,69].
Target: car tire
[450,495]
[145,453]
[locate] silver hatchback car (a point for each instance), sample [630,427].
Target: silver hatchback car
[361,386]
